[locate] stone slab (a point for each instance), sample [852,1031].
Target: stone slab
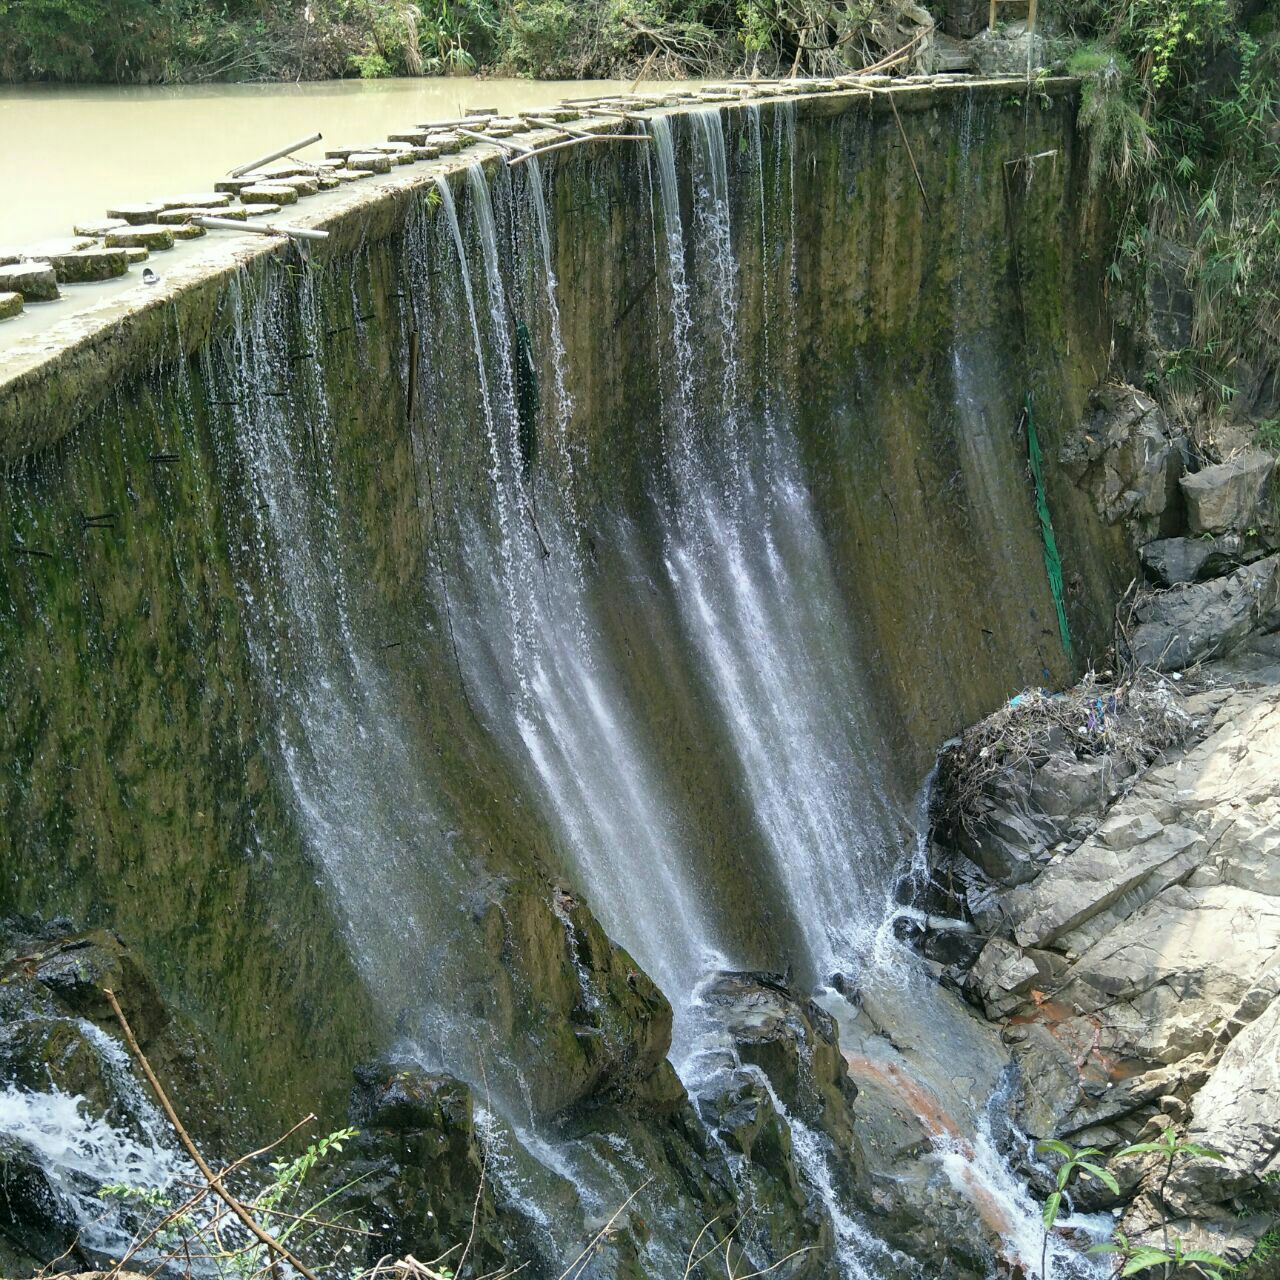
[148,235]
[100,227]
[89,265]
[137,214]
[269,193]
[10,305]
[373,161]
[199,200]
[35,281]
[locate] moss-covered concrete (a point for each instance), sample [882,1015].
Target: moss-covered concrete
[142,780]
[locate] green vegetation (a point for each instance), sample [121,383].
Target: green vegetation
[1133,1258]
[1180,107]
[150,41]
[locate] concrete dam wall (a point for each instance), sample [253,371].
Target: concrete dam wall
[620,531]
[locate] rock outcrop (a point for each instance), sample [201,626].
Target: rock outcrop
[1136,975]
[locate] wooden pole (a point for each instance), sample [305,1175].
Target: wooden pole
[241,170]
[991,19]
[260,228]
[1031,16]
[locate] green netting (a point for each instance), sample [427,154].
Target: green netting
[1052,561]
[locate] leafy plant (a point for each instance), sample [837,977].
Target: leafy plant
[1082,1162]
[1137,1258]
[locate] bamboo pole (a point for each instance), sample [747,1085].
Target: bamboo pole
[991,20]
[241,170]
[504,143]
[1031,16]
[260,228]
[574,142]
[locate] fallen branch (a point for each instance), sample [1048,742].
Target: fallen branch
[213,1179]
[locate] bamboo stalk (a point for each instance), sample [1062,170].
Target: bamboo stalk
[260,228]
[573,142]
[924,195]
[504,143]
[213,1179]
[275,155]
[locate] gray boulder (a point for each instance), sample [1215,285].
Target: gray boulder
[1233,496]
[1170,561]
[1126,457]
[1184,624]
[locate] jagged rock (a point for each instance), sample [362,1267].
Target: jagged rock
[792,1040]
[1002,976]
[1237,1113]
[1233,496]
[1170,561]
[1129,461]
[1184,624]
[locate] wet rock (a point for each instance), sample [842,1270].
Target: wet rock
[31,1214]
[1002,976]
[418,1160]
[793,1041]
[1128,459]
[268,193]
[35,281]
[187,231]
[150,235]
[137,253]
[262,210]
[10,305]
[1170,561]
[1232,497]
[1184,624]
[89,264]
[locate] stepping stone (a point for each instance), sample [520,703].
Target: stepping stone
[268,193]
[179,217]
[283,169]
[304,185]
[186,231]
[413,137]
[198,200]
[341,153]
[10,305]
[36,281]
[373,161]
[99,228]
[258,210]
[149,235]
[136,253]
[137,215]
[449,143]
[350,175]
[89,264]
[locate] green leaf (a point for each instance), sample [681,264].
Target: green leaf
[1107,1246]
[1199,1152]
[1107,1179]
[1064,1172]
[1143,1258]
[1142,1149]
[1051,1205]
[1203,1255]
[1053,1145]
